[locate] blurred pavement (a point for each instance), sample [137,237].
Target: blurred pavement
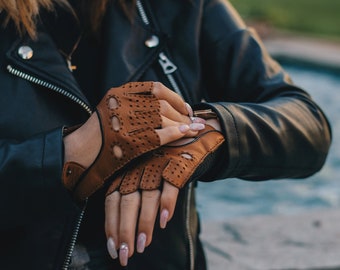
[308,241]
[303,49]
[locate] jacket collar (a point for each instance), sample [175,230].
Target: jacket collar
[44,64]
[125,54]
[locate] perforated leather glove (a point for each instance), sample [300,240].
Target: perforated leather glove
[174,164]
[128,117]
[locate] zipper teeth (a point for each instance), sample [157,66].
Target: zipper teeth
[187,224]
[59,90]
[142,12]
[174,84]
[168,69]
[55,88]
[176,88]
[73,241]
[146,21]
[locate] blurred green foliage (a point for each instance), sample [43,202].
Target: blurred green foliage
[314,17]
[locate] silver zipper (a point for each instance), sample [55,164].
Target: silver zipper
[59,90]
[187,226]
[48,85]
[73,241]
[167,66]
[142,13]
[168,69]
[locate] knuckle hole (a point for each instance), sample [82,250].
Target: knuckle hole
[113,103]
[186,156]
[115,123]
[117,151]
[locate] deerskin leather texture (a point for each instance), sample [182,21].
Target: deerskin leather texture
[137,112]
[174,164]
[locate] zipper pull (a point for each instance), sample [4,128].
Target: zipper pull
[166,64]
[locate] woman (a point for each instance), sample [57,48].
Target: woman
[59,126]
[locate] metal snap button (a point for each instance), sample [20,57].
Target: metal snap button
[25,52]
[152,41]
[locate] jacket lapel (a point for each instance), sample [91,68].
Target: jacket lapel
[126,53]
[44,63]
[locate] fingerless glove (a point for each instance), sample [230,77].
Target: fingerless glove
[128,117]
[174,164]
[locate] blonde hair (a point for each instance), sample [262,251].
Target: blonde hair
[24,13]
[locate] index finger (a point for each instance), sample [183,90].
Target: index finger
[175,100]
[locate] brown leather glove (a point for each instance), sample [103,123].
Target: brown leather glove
[174,164]
[128,117]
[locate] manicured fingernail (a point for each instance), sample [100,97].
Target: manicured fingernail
[111,247]
[141,242]
[123,254]
[184,128]
[197,126]
[189,109]
[164,218]
[197,120]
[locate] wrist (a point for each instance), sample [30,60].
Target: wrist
[82,144]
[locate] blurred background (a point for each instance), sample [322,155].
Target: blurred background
[315,18]
[314,24]
[304,37]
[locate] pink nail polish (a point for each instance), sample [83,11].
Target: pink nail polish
[197,126]
[124,254]
[141,242]
[164,218]
[184,128]
[198,120]
[189,109]
[111,247]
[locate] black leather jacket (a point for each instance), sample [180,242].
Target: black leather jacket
[272,128]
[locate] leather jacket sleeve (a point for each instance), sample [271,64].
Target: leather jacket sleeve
[272,128]
[31,171]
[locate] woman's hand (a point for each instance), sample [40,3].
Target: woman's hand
[122,213]
[83,144]
[133,201]
[130,121]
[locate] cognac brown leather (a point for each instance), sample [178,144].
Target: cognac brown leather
[136,110]
[174,164]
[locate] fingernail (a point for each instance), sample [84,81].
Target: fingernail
[184,128]
[123,254]
[197,126]
[111,247]
[197,120]
[189,109]
[164,218]
[141,242]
